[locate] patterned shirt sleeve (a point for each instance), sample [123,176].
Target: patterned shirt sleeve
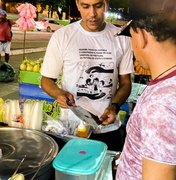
[159,133]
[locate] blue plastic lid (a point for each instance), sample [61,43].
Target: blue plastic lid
[80,156]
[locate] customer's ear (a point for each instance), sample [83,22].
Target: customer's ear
[141,38]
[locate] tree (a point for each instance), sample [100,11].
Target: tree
[73,9]
[119,3]
[53,5]
[3,6]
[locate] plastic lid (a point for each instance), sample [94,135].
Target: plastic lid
[80,157]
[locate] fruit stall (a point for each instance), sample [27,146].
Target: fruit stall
[27,144]
[29,86]
[25,117]
[35,120]
[21,122]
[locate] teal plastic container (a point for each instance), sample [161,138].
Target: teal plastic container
[80,159]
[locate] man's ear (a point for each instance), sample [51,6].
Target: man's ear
[141,38]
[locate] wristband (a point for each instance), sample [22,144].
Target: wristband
[117,107]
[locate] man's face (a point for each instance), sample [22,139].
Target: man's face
[92,14]
[134,42]
[138,51]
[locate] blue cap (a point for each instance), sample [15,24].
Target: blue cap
[143,9]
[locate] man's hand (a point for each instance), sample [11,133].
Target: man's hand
[62,97]
[108,116]
[65,99]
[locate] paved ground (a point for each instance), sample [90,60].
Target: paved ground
[35,46]
[10,90]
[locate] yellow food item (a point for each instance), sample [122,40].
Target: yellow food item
[36,68]
[23,67]
[29,67]
[1,115]
[82,130]
[1,101]
[18,176]
[1,109]
[122,115]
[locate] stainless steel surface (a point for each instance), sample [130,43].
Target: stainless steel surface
[41,163]
[17,143]
[85,115]
[18,166]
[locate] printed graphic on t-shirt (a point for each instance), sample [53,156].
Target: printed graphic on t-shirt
[96,74]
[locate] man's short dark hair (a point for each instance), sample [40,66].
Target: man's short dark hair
[155,16]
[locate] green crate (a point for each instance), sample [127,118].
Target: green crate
[29,77]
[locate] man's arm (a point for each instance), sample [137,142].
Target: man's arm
[121,96]
[124,89]
[51,88]
[157,171]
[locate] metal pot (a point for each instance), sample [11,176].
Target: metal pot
[35,146]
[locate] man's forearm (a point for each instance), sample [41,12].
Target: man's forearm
[123,91]
[50,87]
[122,95]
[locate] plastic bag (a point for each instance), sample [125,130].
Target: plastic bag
[54,126]
[7,72]
[59,126]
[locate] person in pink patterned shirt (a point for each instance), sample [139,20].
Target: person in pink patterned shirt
[149,152]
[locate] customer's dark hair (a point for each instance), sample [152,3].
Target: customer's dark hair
[161,23]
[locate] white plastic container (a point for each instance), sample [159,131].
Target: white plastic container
[83,159]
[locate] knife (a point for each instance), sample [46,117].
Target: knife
[86,116]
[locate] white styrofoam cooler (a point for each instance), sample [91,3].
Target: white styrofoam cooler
[83,159]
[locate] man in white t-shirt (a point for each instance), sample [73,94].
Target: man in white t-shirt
[95,66]
[149,152]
